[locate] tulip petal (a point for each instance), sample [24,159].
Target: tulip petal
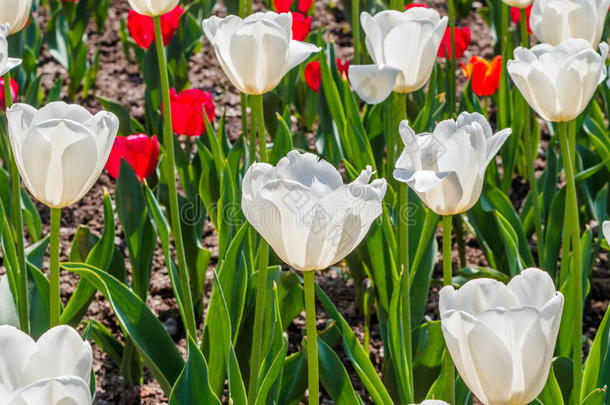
[606,230]
[19,358]
[374,38]
[311,171]
[8,310]
[60,110]
[54,391]
[494,143]
[532,287]
[477,296]
[65,353]
[297,53]
[372,83]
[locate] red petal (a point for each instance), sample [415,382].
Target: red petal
[313,75]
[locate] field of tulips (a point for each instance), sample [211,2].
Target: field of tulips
[297,201]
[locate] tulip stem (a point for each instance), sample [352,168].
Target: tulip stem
[54,292]
[312,337]
[263,257]
[451,59]
[170,174]
[22,290]
[447,280]
[356,30]
[572,224]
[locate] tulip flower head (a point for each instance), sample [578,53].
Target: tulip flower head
[256,52]
[15,13]
[55,370]
[447,168]
[282,6]
[462,40]
[554,21]
[6,63]
[8,310]
[304,211]
[187,111]
[153,8]
[139,151]
[484,76]
[313,75]
[142,28]
[502,337]
[60,150]
[343,67]
[301,24]
[515,16]
[403,46]
[558,82]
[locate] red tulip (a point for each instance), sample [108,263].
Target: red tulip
[412,5]
[300,26]
[140,151]
[305,6]
[142,28]
[484,75]
[282,6]
[14,93]
[313,75]
[342,67]
[515,16]
[187,111]
[462,40]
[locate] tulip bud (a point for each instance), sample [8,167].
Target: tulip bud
[558,82]
[60,150]
[139,151]
[403,46]
[447,168]
[502,337]
[554,21]
[54,370]
[304,211]
[256,52]
[6,63]
[15,13]
[153,8]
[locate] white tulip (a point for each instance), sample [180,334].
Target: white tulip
[60,150]
[8,311]
[518,3]
[554,21]
[447,168]
[502,337]
[153,8]
[6,63]
[53,371]
[403,46]
[558,82]
[304,211]
[15,13]
[256,52]
[606,230]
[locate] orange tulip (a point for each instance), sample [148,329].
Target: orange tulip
[484,75]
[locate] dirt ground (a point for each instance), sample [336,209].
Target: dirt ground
[120,80]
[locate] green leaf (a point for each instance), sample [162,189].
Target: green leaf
[334,376]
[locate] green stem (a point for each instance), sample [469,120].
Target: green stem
[572,224]
[451,60]
[22,288]
[503,88]
[170,173]
[356,30]
[447,280]
[261,289]
[54,292]
[312,337]
[248,7]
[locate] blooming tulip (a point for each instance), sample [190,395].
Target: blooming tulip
[502,337]
[342,67]
[6,63]
[60,149]
[301,25]
[8,310]
[462,40]
[313,75]
[256,52]
[55,370]
[484,75]
[403,46]
[554,21]
[142,28]
[15,13]
[305,212]
[446,168]
[515,16]
[305,6]
[139,151]
[558,82]
[153,8]
[187,111]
